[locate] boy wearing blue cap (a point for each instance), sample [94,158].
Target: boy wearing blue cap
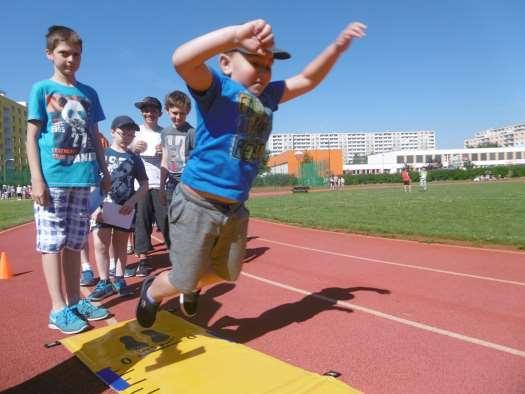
[208,220]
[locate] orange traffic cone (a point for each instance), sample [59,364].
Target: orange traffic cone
[5,269]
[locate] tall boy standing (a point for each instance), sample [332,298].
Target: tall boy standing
[208,219]
[65,158]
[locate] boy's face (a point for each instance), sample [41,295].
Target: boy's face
[123,136]
[252,71]
[177,114]
[150,113]
[66,57]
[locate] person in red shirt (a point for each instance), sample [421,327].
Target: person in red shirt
[405,175]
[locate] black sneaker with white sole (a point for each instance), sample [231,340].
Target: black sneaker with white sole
[146,311]
[143,269]
[189,303]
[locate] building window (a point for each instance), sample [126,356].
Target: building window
[510,155]
[437,158]
[474,157]
[419,159]
[428,159]
[483,157]
[501,155]
[400,159]
[492,155]
[518,155]
[410,159]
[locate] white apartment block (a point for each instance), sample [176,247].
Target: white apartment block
[355,143]
[503,136]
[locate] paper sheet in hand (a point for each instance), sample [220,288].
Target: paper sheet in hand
[152,139]
[111,215]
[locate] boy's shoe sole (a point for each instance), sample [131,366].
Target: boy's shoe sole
[189,303]
[53,327]
[146,311]
[143,269]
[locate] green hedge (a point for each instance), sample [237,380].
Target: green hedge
[433,175]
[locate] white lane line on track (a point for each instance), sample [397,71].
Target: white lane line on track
[426,327]
[416,267]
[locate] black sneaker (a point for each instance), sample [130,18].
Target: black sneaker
[146,310]
[143,269]
[189,303]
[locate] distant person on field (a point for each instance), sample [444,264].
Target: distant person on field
[423,178]
[208,219]
[405,176]
[65,159]
[125,167]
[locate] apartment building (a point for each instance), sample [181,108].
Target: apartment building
[12,134]
[513,135]
[353,144]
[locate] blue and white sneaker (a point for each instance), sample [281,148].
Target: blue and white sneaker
[87,278]
[66,321]
[112,272]
[121,287]
[103,289]
[89,311]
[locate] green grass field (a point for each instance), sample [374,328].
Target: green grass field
[477,213]
[13,212]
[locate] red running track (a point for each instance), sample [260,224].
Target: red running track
[392,316]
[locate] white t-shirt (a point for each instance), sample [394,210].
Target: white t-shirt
[150,159]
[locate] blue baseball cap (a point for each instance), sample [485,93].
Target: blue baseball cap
[123,120]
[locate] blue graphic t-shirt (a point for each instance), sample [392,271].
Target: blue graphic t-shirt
[233,126]
[124,168]
[68,115]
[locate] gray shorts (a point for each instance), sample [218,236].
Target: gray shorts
[205,234]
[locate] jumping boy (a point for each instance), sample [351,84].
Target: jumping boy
[65,158]
[125,167]
[207,216]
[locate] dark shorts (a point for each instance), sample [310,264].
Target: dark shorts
[406,182]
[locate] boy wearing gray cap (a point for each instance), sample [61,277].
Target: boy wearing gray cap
[207,216]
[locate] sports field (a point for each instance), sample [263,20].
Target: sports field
[476,213]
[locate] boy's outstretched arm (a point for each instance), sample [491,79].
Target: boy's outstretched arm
[189,59]
[315,72]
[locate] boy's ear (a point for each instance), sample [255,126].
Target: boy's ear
[49,54]
[225,63]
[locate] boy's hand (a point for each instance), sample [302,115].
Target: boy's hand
[39,193]
[158,150]
[127,208]
[255,36]
[105,184]
[355,29]
[140,146]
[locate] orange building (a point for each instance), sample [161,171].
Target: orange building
[289,162]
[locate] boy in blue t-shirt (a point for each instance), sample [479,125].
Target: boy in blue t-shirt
[124,167]
[65,159]
[208,220]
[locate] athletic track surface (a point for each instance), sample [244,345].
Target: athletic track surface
[391,316]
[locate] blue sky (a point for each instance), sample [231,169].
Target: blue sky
[456,67]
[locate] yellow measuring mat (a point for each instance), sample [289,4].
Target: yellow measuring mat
[175,356]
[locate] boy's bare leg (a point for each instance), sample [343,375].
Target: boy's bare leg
[162,288]
[52,267]
[71,268]
[119,243]
[102,240]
